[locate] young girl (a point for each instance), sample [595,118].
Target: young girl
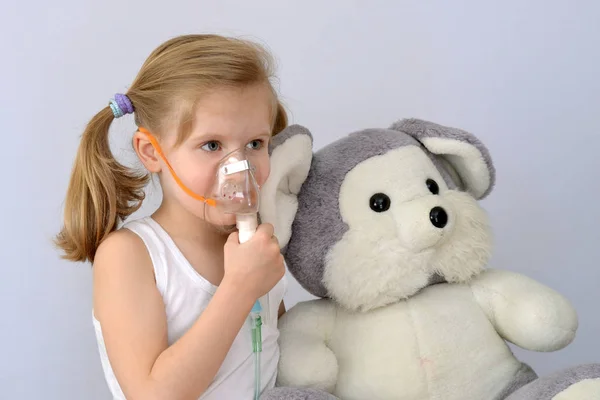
[173,292]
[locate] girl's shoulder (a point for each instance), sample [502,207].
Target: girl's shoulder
[124,253]
[132,236]
[123,239]
[122,247]
[133,252]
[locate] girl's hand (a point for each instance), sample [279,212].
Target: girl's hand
[256,266]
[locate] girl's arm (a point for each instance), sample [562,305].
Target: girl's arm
[131,312]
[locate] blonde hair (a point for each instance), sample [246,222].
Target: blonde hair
[102,192]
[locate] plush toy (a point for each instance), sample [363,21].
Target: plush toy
[385,228]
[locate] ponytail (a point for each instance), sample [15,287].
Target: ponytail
[101,193]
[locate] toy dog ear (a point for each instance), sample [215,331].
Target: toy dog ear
[469,158]
[291,157]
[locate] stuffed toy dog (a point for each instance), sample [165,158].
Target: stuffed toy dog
[385,228]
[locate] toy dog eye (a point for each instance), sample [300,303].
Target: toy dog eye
[380,202]
[432,186]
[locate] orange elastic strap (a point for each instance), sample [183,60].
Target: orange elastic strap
[152,139]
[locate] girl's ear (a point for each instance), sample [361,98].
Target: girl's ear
[291,157]
[146,152]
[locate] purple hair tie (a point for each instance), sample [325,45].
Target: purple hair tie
[121,105]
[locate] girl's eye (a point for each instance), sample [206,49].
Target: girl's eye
[256,144]
[211,146]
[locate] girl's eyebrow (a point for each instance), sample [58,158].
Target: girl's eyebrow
[207,136]
[262,135]
[223,137]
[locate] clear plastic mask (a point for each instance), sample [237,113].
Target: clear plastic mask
[235,190]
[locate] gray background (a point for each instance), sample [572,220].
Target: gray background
[522,75]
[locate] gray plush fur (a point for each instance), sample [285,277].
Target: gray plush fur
[287,133]
[547,387]
[286,179]
[319,226]
[421,129]
[328,169]
[524,376]
[296,394]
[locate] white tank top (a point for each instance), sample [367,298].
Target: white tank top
[186,294]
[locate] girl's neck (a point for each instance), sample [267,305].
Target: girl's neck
[182,225]
[199,242]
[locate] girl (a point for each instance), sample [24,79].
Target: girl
[173,292]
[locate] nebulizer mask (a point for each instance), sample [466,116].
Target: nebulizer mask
[235,193]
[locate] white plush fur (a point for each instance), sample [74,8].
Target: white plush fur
[306,361]
[290,163]
[438,344]
[396,251]
[466,159]
[441,343]
[588,389]
[525,312]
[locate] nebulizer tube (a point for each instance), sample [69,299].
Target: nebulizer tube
[256,329]
[246,224]
[235,192]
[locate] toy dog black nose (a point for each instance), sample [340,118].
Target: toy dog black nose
[438,217]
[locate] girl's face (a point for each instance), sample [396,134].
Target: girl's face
[225,120]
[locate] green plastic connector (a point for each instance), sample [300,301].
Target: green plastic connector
[257,334]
